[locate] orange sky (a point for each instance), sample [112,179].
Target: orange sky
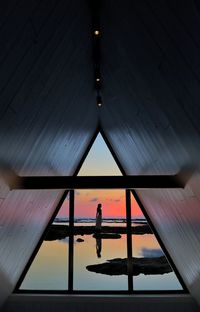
[113,204]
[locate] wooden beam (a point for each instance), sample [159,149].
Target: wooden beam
[96,182]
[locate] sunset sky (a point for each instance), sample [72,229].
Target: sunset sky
[100,162]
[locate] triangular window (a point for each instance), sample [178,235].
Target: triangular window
[77,256]
[99,161]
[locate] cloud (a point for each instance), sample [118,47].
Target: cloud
[94,199]
[77,193]
[64,240]
[114,200]
[151,253]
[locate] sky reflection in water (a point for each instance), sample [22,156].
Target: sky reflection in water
[50,267]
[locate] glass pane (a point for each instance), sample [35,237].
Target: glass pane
[49,269]
[146,249]
[94,264]
[99,160]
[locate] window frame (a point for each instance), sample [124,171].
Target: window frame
[128,203]
[130,278]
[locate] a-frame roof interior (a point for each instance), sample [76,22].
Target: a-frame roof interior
[150,70]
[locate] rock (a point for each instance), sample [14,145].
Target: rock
[80,240]
[107,235]
[118,266]
[61,231]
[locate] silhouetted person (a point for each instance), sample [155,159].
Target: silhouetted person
[98,218]
[98,247]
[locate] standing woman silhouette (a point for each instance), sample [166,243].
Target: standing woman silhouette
[98,218]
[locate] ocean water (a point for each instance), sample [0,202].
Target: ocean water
[64,220]
[49,270]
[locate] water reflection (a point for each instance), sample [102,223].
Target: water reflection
[98,247]
[94,251]
[50,268]
[151,253]
[147,246]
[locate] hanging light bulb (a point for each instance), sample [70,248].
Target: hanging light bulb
[99,101]
[97,32]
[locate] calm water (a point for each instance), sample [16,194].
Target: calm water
[49,270]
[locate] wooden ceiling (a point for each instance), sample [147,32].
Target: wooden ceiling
[150,68]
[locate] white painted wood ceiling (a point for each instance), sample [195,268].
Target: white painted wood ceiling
[151,109]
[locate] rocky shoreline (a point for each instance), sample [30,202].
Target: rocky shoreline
[62,231]
[147,266]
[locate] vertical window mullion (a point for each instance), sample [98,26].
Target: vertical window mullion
[129,242]
[71,241]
